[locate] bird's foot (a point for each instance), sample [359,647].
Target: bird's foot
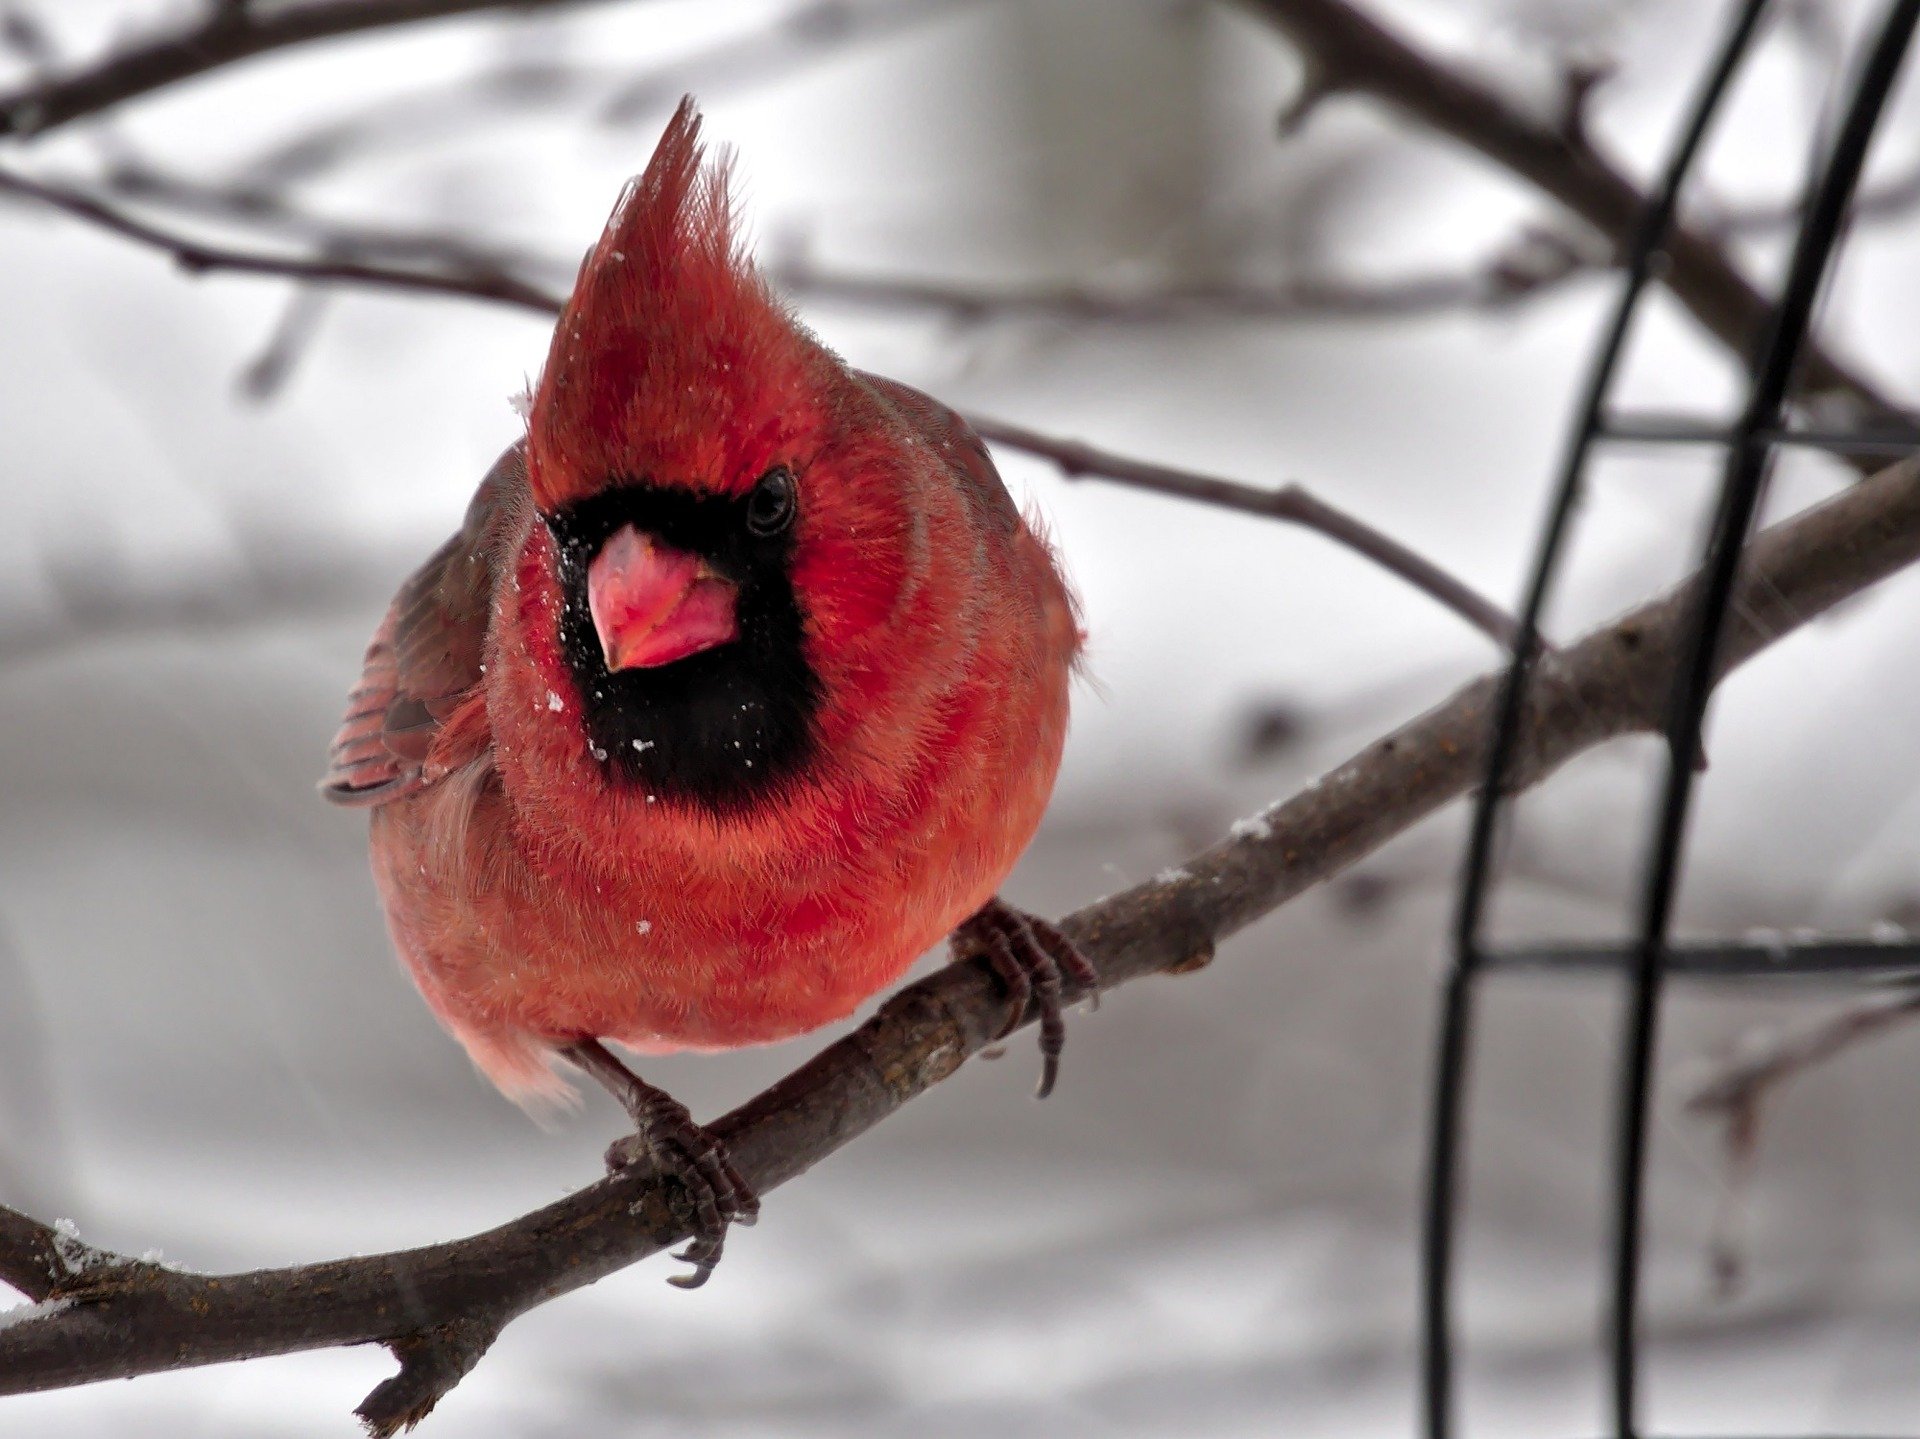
[1039,966]
[667,1139]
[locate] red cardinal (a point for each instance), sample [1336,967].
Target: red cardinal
[742,683]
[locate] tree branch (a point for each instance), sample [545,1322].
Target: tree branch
[1350,51]
[1344,50]
[1765,1063]
[1771,1059]
[1891,198]
[615,94]
[431,1363]
[28,1260]
[486,281]
[1532,264]
[226,35]
[265,206]
[1291,503]
[198,257]
[135,1319]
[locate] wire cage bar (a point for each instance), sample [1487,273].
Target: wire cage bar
[1646,961]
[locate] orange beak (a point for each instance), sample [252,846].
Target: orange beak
[653,604]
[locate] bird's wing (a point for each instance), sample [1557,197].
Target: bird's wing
[964,451]
[426,656]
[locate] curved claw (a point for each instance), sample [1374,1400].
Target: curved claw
[720,1197]
[1035,963]
[667,1139]
[703,1255]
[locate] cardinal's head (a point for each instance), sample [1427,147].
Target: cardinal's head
[733,516]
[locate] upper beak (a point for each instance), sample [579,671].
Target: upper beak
[652,604]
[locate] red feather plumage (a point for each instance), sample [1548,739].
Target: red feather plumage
[538,898]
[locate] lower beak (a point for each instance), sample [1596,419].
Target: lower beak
[652,604]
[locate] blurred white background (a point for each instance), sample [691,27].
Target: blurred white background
[206,1047]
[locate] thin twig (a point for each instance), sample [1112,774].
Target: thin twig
[266,373]
[1735,1094]
[268,207]
[1356,53]
[1515,274]
[1893,198]
[1770,1060]
[1344,49]
[198,257]
[616,95]
[1533,262]
[136,1319]
[1290,503]
[225,35]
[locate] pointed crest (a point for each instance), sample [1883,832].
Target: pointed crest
[672,359]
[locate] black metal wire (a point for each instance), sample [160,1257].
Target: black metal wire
[1808,962]
[1746,470]
[1450,1060]
[1681,430]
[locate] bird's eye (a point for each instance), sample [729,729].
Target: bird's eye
[771,506]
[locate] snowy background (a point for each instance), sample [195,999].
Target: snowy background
[206,1048]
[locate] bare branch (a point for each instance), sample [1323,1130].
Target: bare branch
[266,374]
[1291,503]
[227,34]
[29,1260]
[198,257]
[1359,54]
[1313,89]
[266,207]
[1580,80]
[1734,1096]
[617,94]
[431,1363]
[136,1319]
[1533,263]
[1887,199]
[1771,1060]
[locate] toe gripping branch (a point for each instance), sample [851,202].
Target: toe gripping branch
[666,1138]
[1039,968]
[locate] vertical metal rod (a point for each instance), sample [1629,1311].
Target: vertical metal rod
[1457,1003]
[1740,495]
